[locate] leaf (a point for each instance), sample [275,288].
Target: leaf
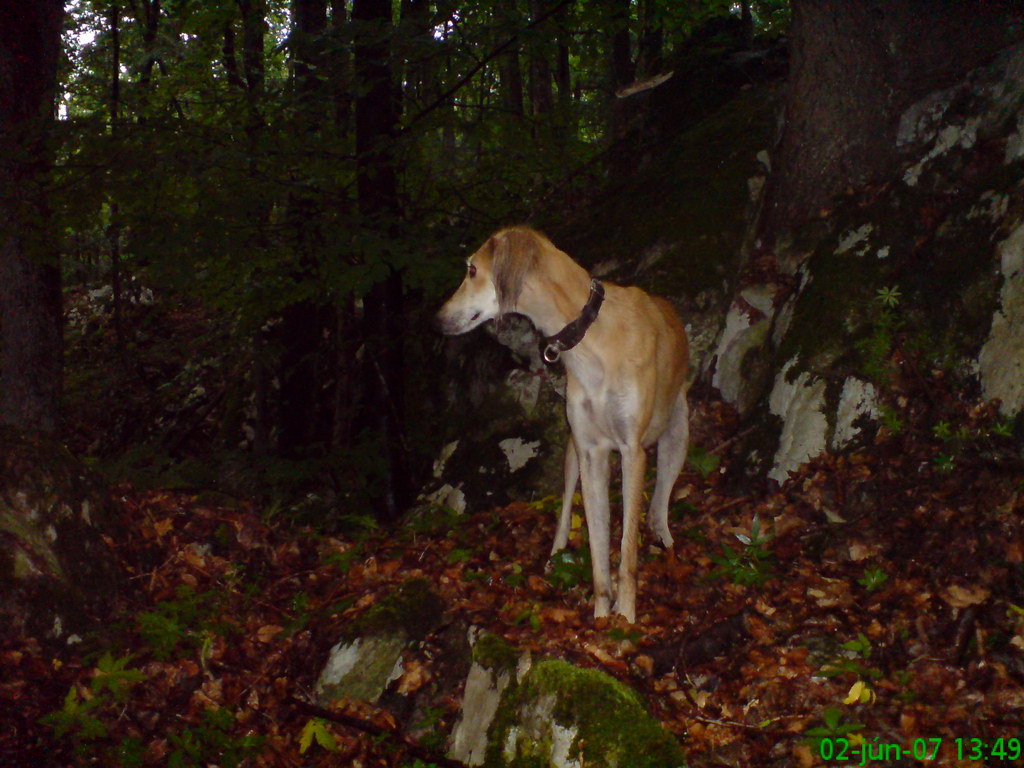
[964,597]
[268,633]
[860,693]
[316,730]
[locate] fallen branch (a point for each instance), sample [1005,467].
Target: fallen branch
[357,723]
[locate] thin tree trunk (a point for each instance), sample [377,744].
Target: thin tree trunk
[113,228]
[509,70]
[542,99]
[377,189]
[31,344]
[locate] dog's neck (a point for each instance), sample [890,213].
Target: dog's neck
[554,298]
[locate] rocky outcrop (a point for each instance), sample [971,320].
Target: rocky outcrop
[57,577]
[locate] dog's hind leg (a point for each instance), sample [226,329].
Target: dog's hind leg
[672,446]
[572,477]
[593,461]
[634,461]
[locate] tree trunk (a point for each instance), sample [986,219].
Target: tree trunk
[542,99]
[620,72]
[651,41]
[306,332]
[30,303]
[855,65]
[509,69]
[377,189]
[114,228]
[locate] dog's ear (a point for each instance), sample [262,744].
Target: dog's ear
[515,253]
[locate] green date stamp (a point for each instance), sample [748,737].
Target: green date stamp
[863,752]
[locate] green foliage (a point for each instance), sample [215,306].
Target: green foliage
[749,565]
[113,675]
[705,463]
[850,661]
[873,578]
[877,347]
[316,731]
[75,718]
[833,727]
[79,719]
[211,741]
[173,622]
[569,568]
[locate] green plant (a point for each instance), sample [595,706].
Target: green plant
[850,660]
[211,741]
[891,419]
[944,463]
[529,615]
[316,731]
[873,578]
[876,348]
[516,578]
[832,727]
[623,635]
[171,622]
[704,462]
[75,718]
[460,555]
[569,568]
[749,565]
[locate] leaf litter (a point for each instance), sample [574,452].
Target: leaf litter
[885,602]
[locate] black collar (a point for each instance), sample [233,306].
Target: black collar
[573,333]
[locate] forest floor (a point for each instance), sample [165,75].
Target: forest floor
[872,604]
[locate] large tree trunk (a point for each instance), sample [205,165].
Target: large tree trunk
[30,306]
[855,65]
[377,189]
[307,327]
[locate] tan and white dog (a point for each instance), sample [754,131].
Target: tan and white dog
[626,358]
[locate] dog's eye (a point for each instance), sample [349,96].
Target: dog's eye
[472,270]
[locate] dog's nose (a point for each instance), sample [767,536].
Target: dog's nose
[437,323]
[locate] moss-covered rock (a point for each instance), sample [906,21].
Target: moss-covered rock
[562,715]
[57,576]
[368,658]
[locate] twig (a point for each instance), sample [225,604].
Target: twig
[350,721]
[723,445]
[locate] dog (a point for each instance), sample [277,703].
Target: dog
[626,357]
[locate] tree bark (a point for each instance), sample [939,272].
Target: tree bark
[509,70]
[855,66]
[306,332]
[542,99]
[377,189]
[31,344]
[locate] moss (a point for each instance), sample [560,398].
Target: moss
[414,609]
[493,653]
[367,679]
[605,720]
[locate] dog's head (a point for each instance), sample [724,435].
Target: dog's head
[494,280]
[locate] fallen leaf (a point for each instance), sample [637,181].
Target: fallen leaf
[963,597]
[268,633]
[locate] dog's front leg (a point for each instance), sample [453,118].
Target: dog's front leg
[634,461]
[571,468]
[593,462]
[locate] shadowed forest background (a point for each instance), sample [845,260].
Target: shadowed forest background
[304,174]
[229,440]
